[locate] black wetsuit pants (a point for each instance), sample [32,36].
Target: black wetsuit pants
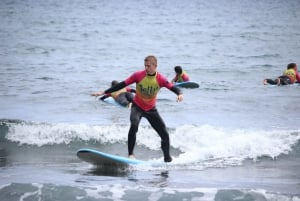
[284,80]
[124,98]
[155,121]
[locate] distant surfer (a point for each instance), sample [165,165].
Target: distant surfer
[148,83]
[290,76]
[122,96]
[180,75]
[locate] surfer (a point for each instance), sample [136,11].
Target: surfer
[290,76]
[181,75]
[148,83]
[123,96]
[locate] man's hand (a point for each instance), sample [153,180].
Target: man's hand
[180,98]
[99,93]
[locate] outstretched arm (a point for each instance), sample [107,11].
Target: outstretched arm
[116,87]
[99,93]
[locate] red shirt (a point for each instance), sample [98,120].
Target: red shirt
[297,76]
[293,74]
[147,87]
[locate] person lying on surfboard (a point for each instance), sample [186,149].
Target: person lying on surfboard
[290,76]
[123,96]
[148,83]
[181,75]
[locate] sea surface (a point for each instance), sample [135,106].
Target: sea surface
[232,138]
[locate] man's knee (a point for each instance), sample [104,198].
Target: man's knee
[133,130]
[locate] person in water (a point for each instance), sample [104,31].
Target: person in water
[290,76]
[148,83]
[123,96]
[181,75]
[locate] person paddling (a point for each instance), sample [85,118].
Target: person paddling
[181,75]
[123,96]
[290,76]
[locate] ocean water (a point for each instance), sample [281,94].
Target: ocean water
[231,139]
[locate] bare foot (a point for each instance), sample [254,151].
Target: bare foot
[265,82]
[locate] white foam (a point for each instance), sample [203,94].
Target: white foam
[117,191]
[200,145]
[62,133]
[43,134]
[207,143]
[38,193]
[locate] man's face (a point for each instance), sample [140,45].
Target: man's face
[150,67]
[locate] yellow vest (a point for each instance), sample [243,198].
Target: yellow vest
[179,78]
[117,93]
[291,73]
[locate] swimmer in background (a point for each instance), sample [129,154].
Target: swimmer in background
[181,75]
[290,76]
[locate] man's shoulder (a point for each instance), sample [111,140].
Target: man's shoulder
[163,81]
[135,77]
[139,73]
[160,76]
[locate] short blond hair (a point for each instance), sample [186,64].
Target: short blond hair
[151,58]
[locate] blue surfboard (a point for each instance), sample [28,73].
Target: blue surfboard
[188,84]
[104,159]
